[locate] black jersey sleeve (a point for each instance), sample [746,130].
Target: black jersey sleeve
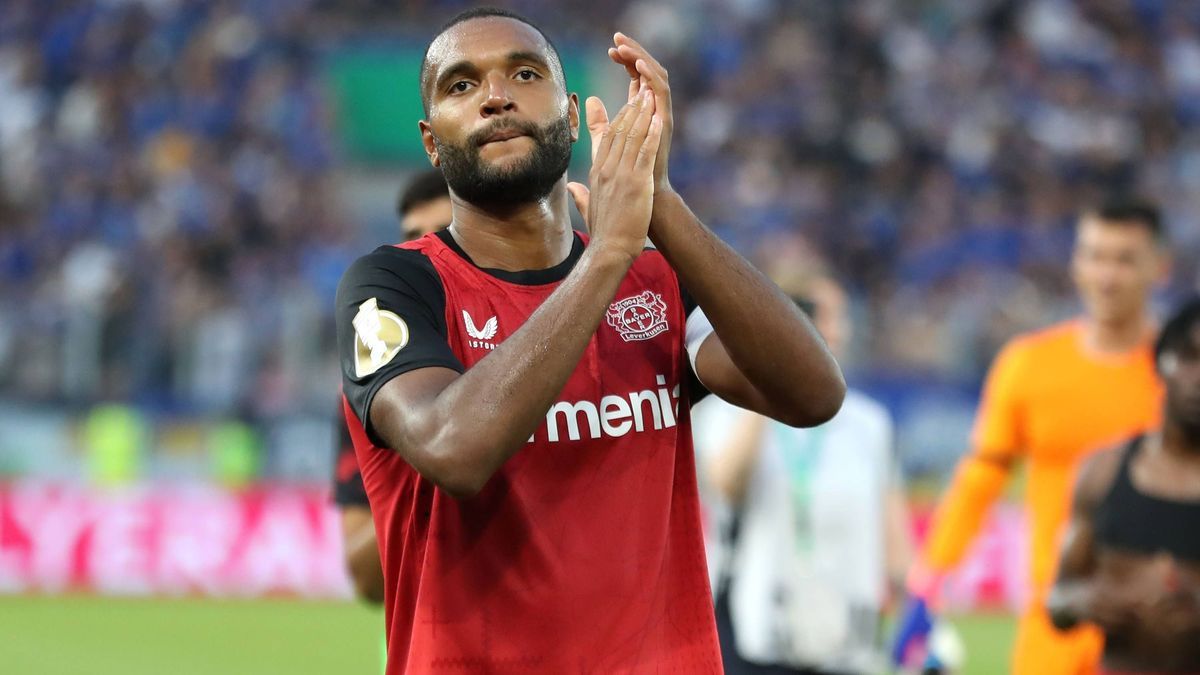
[696,388]
[391,318]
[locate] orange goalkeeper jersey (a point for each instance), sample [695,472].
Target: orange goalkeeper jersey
[1050,401]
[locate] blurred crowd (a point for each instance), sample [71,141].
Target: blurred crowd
[172,229]
[168,209]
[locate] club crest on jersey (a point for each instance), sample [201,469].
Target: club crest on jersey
[639,317]
[378,336]
[481,338]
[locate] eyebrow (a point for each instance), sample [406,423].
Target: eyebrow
[464,67]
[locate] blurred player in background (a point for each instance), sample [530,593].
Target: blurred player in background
[818,523]
[1052,397]
[423,207]
[518,396]
[1131,559]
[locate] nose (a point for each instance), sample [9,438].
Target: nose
[498,98]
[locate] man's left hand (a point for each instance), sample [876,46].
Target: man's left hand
[645,70]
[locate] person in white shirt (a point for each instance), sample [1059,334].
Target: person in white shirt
[812,524]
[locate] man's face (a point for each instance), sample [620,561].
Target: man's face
[426,217]
[1115,266]
[1180,369]
[500,123]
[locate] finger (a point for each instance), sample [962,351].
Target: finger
[621,61]
[651,70]
[649,149]
[613,143]
[646,66]
[658,84]
[582,197]
[632,50]
[597,121]
[604,145]
[655,78]
[638,130]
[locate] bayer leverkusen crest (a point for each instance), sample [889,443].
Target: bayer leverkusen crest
[639,317]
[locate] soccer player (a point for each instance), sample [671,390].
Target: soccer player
[518,394]
[423,206]
[1051,398]
[1131,559]
[819,524]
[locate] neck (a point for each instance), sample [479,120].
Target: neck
[529,236]
[1180,440]
[1116,336]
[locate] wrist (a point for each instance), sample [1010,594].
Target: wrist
[664,213]
[607,255]
[665,198]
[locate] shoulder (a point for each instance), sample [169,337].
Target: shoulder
[391,265]
[1097,474]
[393,258]
[1048,340]
[1033,349]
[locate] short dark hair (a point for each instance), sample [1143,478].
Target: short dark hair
[1177,331]
[1131,210]
[482,13]
[424,187]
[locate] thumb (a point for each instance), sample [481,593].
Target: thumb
[597,121]
[582,196]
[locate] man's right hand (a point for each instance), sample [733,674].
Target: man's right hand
[617,206]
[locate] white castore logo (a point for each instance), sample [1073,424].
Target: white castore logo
[481,338]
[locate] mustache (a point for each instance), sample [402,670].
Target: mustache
[524,128]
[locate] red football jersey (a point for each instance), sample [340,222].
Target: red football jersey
[583,553]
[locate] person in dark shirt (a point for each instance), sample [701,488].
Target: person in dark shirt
[423,206]
[519,394]
[1131,558]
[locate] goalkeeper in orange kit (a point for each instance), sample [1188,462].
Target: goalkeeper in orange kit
[1051,398]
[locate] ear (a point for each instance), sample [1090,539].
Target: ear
[428,141]
[573,115]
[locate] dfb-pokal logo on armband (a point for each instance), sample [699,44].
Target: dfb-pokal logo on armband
[639,317]
[379,336]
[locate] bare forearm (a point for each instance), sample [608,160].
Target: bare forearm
[362,553]
[731,467]
[484,416]
[766,336]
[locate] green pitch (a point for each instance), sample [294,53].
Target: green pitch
[104,636]
[81,635]
[989,639]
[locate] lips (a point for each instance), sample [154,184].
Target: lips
[502,135]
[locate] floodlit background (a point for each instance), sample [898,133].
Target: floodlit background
[182,183]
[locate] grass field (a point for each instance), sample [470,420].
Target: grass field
[80,635]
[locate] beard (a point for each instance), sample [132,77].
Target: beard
[529,180]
